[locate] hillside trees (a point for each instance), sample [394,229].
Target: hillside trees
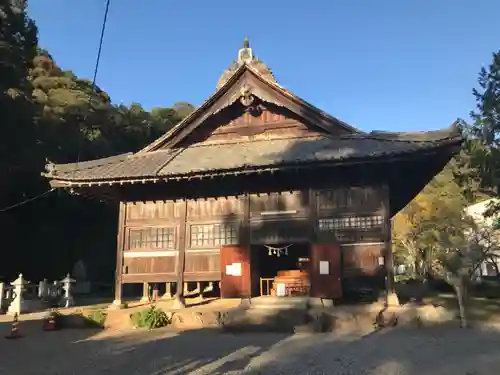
[50,113]
[18,42]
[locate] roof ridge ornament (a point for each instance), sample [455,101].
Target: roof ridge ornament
[245,54]
[247,58]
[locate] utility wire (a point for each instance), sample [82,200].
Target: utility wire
[101,39]
[27,200]
[96,69]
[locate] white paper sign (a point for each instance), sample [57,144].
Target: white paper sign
[324,267]
[280,289]
[381,261]
[229,269]
[236,269]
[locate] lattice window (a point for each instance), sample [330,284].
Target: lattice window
[353,222]
[152,238]
[214,235]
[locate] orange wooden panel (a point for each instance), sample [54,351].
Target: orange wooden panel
[326,286]
[235,286]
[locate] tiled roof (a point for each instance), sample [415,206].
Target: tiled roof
[201,159]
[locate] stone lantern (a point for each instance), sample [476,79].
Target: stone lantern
[18,305]
[67,300]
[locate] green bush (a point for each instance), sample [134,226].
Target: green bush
[97,318]
[150,318]
[402,278]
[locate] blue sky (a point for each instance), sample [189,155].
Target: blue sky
[386,64]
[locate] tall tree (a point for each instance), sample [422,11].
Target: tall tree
[483,142]
[18,145]
[49,112]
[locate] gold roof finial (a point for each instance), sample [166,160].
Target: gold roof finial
[246,43]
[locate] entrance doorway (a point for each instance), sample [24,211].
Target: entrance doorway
[280,270]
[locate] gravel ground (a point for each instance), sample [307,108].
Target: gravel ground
[436,351]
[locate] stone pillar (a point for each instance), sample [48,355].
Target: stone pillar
[210,287]
[18,305]
[186,288]
[54,290]
[199,288]
[2,292]
[145,293]
[117,302]
[168,291]
[43,289]
[67,299]
[178,298]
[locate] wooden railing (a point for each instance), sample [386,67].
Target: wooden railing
[266,284]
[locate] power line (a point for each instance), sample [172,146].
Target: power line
[101,39]
[96,69]
[27,200]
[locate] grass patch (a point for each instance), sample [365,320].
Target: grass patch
[477,308]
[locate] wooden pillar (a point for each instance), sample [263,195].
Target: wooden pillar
[312,212]
[391,297]
[246,243]
[120,244]
[181,259]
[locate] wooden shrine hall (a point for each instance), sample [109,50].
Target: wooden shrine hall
[263,192]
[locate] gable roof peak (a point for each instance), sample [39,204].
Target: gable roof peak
[246,57]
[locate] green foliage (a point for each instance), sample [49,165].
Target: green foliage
[482,145]
[402,278]
[434,213]
[97,318]
[150,318]
[49,113]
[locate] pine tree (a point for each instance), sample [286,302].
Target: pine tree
[482,147]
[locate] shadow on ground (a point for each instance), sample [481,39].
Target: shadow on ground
[402,351]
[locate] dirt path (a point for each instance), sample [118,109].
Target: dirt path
[436,351]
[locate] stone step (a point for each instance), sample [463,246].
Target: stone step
[282,303]
[267,319]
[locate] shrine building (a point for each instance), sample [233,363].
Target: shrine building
[263,192]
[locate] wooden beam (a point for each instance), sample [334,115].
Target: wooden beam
[149,278]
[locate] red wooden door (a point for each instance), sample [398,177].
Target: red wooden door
[325,271]
[235,284]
